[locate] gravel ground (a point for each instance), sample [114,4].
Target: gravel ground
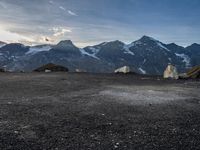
[60,111]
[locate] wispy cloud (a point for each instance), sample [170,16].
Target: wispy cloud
[62,8]
[68,11]
[72,13]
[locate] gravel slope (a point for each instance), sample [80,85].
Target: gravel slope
[97,111]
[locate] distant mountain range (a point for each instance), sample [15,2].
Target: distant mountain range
[145,56]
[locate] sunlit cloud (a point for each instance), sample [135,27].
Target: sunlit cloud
[60,31]
[10,37]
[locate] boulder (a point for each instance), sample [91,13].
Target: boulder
[171,72]
[125,70]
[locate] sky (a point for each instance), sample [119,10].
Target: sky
[90,22]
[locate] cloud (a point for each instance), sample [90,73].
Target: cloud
[60,31]
[2,5]
[69,11]
[72,13]
[62,8]
[51,2]
[8,36]
[101,20]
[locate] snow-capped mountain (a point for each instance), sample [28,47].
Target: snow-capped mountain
[146,56]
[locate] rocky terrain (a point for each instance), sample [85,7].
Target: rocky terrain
[144,56]
[61,111]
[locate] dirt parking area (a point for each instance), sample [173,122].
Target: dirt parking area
[61,111]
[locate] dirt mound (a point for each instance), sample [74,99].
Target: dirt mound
[51,68]
[194,72]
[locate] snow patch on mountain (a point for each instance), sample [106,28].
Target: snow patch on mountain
[94,50]
[127,50]
[104,43]
[2,45]
[137,43]
[162,46]
[142,71]
[144,61]
[83,52]
[159,44]
[34,50]
[186,59]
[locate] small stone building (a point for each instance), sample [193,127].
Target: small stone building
[170,72]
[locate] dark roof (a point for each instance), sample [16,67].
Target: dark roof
[2,70]
[52,67]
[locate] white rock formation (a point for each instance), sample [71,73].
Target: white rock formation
[125,69]
[171,72]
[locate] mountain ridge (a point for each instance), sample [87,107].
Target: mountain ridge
[144,36]
[146,55]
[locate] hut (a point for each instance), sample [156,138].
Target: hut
[125,70]
[51,68]
[170,72]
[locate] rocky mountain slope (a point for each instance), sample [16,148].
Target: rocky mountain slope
[146,56]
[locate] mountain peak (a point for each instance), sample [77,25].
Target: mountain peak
[117,42]
[172,44]
[17,45]
[195,44]
[147,38]
[64,44]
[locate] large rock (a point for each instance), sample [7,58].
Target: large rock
[171,72]
[125,70]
